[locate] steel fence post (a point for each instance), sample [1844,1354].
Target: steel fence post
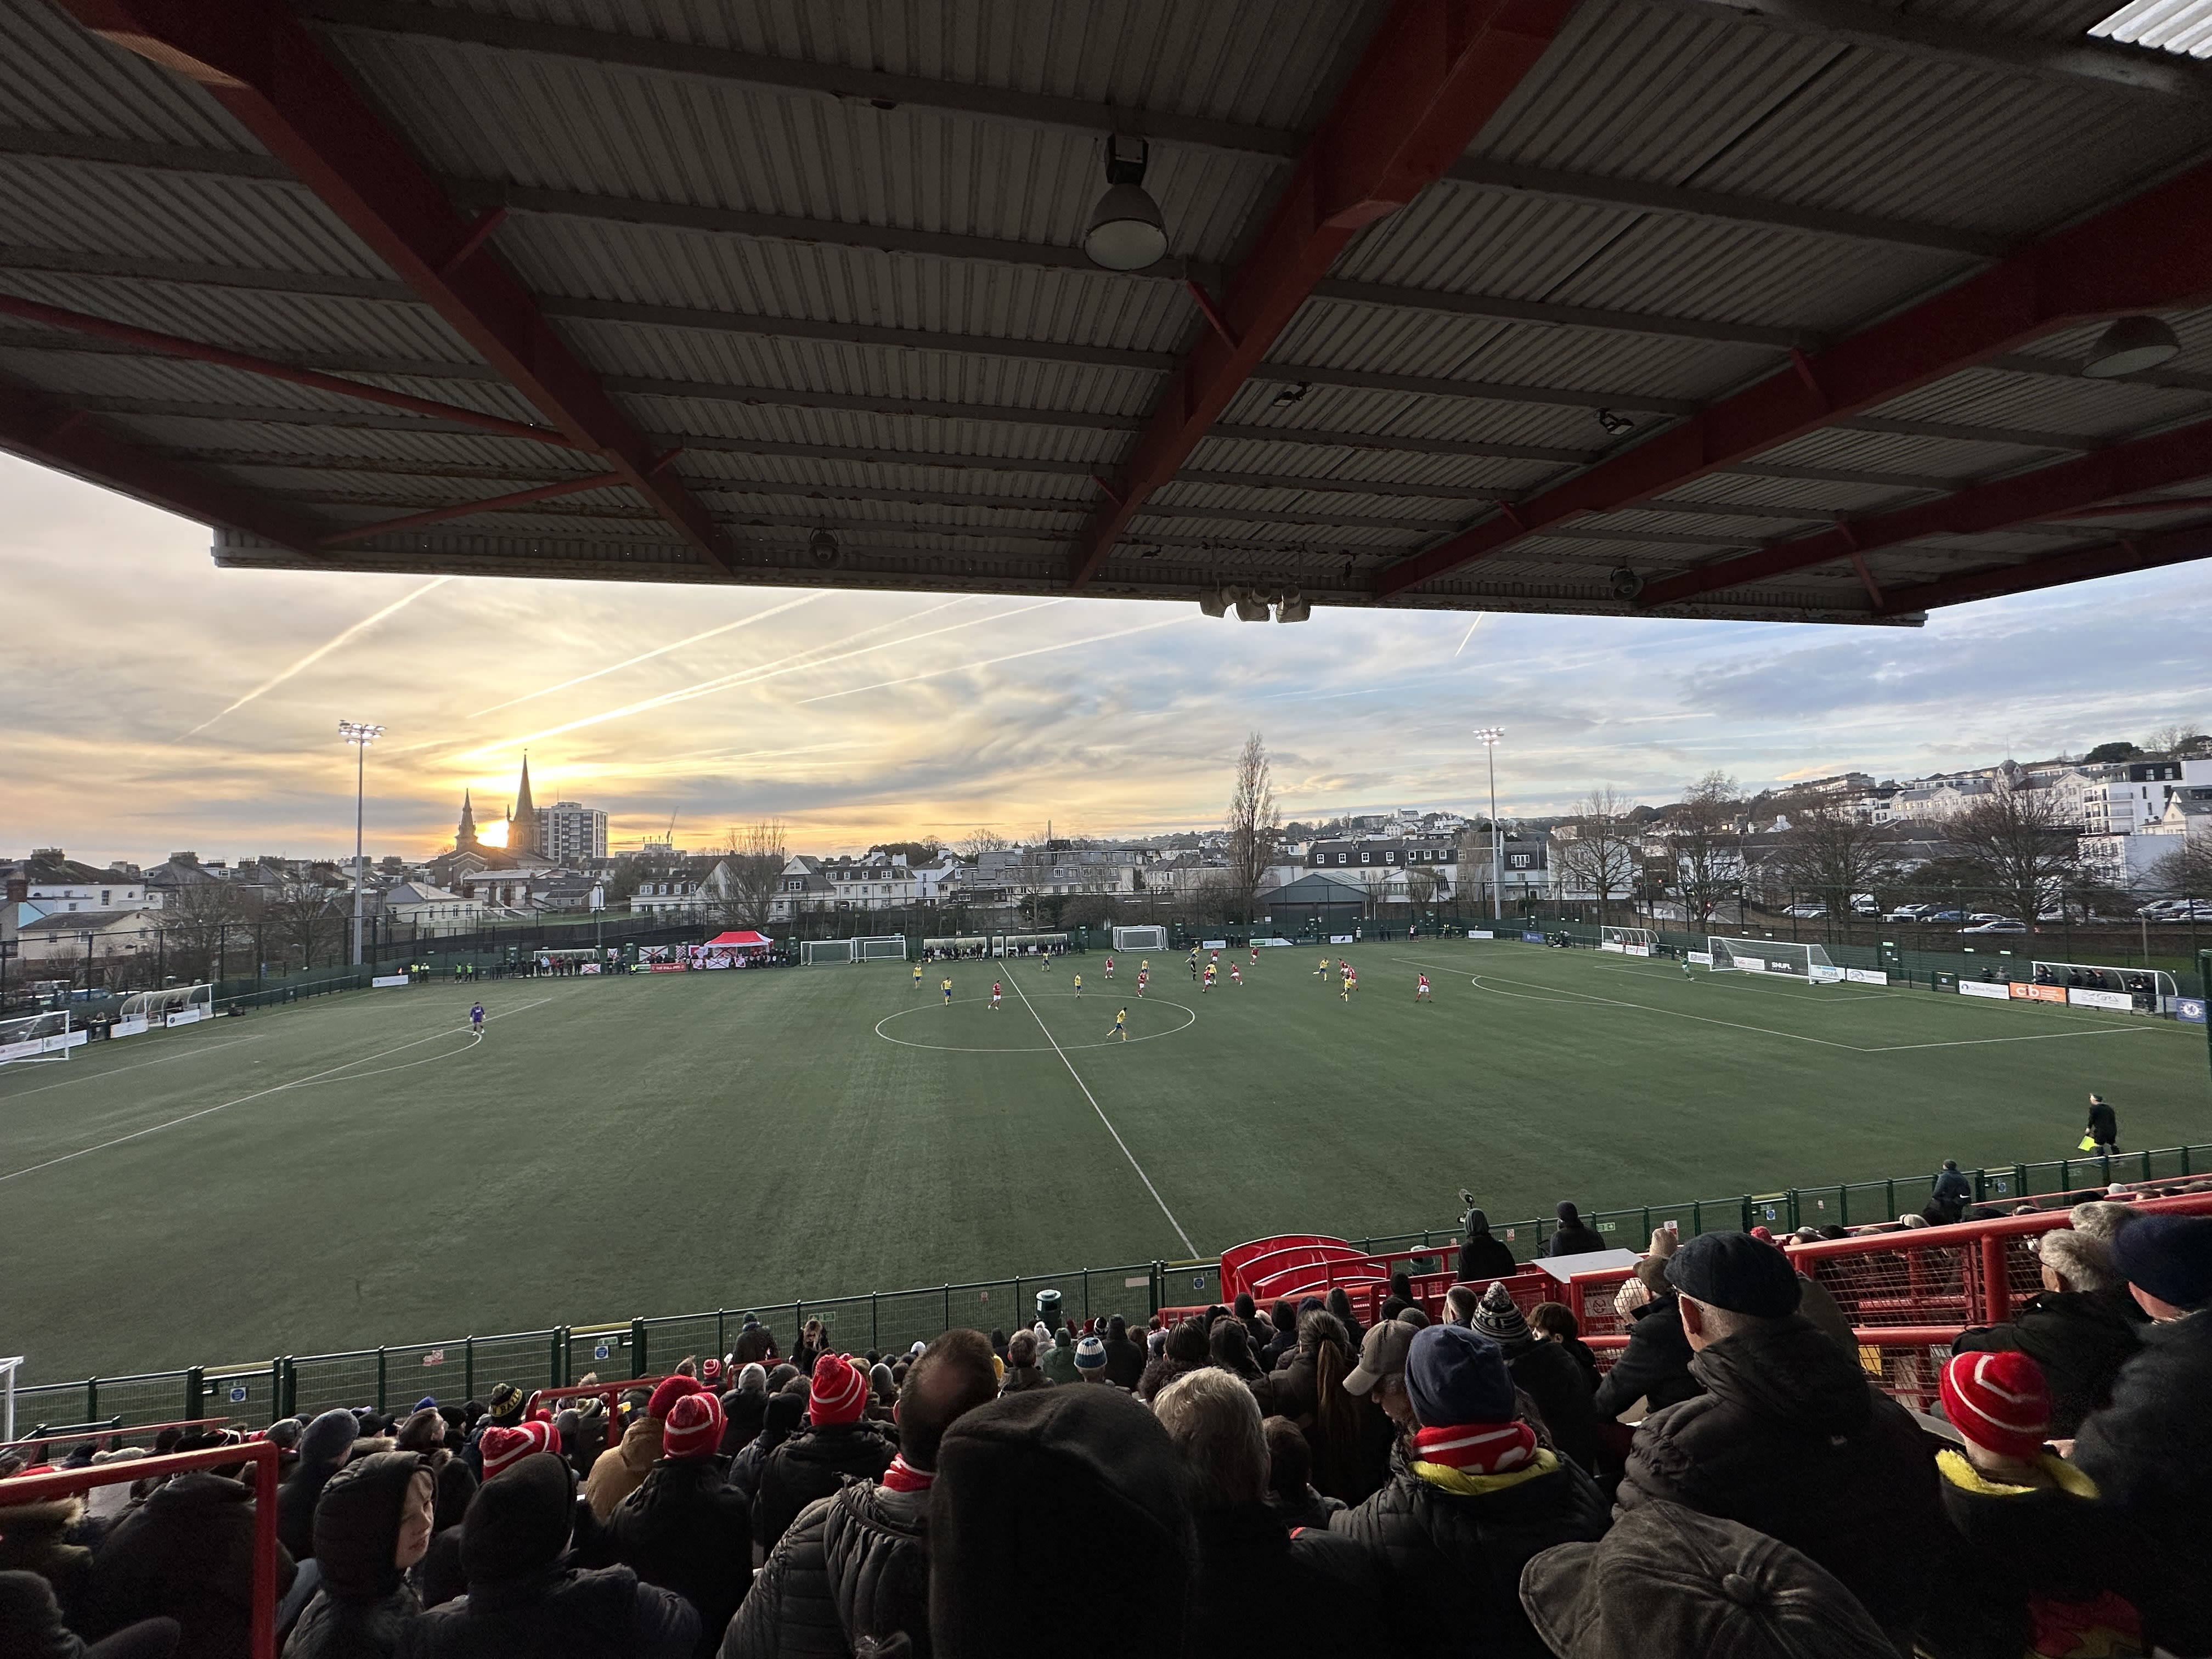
[381,1379]
[948,1307]
[875,1322]
[468,1368]
[275,1389]
[92,1400]
[637,1347]
[721,1336]
[1997,1289]
[195,1391]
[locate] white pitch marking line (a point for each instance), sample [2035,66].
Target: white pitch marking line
[2039,1037]
[118,1071]
[1190,1018]
[205,1111]
[1103,1119]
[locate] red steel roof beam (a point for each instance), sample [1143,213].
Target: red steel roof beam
[53,434]
[469,509]
[2083,564]
[105,328]
[2172,458]
[1434,73]
[255,59]
[2153,252]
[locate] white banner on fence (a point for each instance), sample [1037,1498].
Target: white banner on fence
[28,1050]
[1637,949]
[386,981]
[1702,959]
[1974,987]
[1750,964]
[1481,932]
[54,1045]
[1213,945]
[1866,975]
[1618,949]
[186,1016]
[129,1025]
[2117,999]
[1339,939]
[1819,976]
[1266,944]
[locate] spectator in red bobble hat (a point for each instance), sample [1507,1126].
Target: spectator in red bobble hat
[684,1528]
[615,1475]
[503,1447]
[838,1441]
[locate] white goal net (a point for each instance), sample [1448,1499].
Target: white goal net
[1808,963]
[884,947]
[173,1004]
[821,952]
[31,1038]
[1140,939]
[1628,941]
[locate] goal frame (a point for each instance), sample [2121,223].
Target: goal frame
[1773,956]
[1629,941]
[865,949]
[1155,939]
[817,953]
[39,1038]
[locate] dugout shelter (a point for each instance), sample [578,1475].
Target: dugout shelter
[1811,310]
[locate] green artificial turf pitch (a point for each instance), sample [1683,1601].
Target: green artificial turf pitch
[359,1170]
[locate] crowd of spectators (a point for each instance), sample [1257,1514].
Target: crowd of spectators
[1456,1480]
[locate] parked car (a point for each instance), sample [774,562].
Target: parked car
[1944,915]
[2187,911]
[1909,913]
[1806,910]
[1984,915]
[1999,925]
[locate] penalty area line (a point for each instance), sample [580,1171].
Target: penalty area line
[1103,1119]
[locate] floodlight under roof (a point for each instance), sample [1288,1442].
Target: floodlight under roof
[2130,346]
[1127,232]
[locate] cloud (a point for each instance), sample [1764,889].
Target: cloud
[343,637]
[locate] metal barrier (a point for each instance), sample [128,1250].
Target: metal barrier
[261,1453]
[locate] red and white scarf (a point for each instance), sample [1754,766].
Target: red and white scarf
[1477,1448]
[902,1476]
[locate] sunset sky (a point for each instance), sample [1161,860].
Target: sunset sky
[154,702]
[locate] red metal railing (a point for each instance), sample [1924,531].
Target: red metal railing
[112,1432]
[262,1454]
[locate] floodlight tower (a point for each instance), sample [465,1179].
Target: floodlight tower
[1490,737]
[360,735]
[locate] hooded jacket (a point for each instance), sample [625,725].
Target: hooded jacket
[186,1552]
[811,1465]
[743,1415]
[2150,1453]
[1485,1256]
[34,1538]
[853,1565]
[616,1475]
[1058,1362]
[1453,1544]
[685,1530]
[31,1625]
[1792,1439]
[364,1602]
[1654,1367]
[778,1423]
[2080,1338]
[324,1445]
[1125,1360]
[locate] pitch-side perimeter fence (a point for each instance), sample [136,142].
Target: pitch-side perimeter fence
[466,1367]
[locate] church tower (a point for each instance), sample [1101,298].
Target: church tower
[524,834]
[464,834]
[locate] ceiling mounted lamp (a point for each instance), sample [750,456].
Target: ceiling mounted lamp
[1294,607]
[1613,425]
[1127,232]
[2130,346]
[822,549]
[1215,602]
[1250,606]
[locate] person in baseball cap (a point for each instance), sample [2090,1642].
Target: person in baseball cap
[1667,1580]
[1380,1376]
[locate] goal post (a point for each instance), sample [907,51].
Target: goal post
[882,947]
[1140,939]
[824,952]
[1629,941]
[1807,963]
[32,1039]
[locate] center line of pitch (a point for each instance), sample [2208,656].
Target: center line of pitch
[1103,1119]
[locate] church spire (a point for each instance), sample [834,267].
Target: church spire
[522,803]
[525,834]
[464,834]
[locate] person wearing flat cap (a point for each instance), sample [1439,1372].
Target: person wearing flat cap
[2150,1450]
[1791,1437]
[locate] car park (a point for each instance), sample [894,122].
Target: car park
[1997,925]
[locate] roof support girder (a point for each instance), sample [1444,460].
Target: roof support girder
[2083,564]
[2172,458]
[2152,252]
[254,58]
[1432,75]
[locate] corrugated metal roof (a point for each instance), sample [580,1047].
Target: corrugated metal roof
[60,79]
[2043,403]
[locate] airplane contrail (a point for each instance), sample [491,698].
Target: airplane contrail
[318,653]
[659,651]
[1471,627]
[986,662]
[790,664]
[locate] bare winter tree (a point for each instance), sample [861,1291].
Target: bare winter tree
[1830,853]
[2186,871]
[1600,856]
[2015,849]
[1420,886]
[2170,740]
[204,926]
[751,874]
[1254,825]
[307,918]
[1707,851]
[979,841]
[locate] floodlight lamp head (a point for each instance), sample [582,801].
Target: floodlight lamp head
[1250,606]
[1613,425]
[2130,346]
[822,549]
[1215,602]
[357,731]
[1489,736]
[1127,231]
[1294,607]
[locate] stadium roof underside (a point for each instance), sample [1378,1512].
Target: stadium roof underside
[1748,308]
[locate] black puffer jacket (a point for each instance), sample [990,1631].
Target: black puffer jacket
[363,1603]
[685,1530]
[1790,1439]
[2080,1338]
[1485,1256]
[31,1626]
[1125,1361]
[1451,1562]
[558,1613]
[852,1566]
[1248,1565]
[2150,1454]
[1547,1374]
[813,1465]
[186,1552]
[1654,1367]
